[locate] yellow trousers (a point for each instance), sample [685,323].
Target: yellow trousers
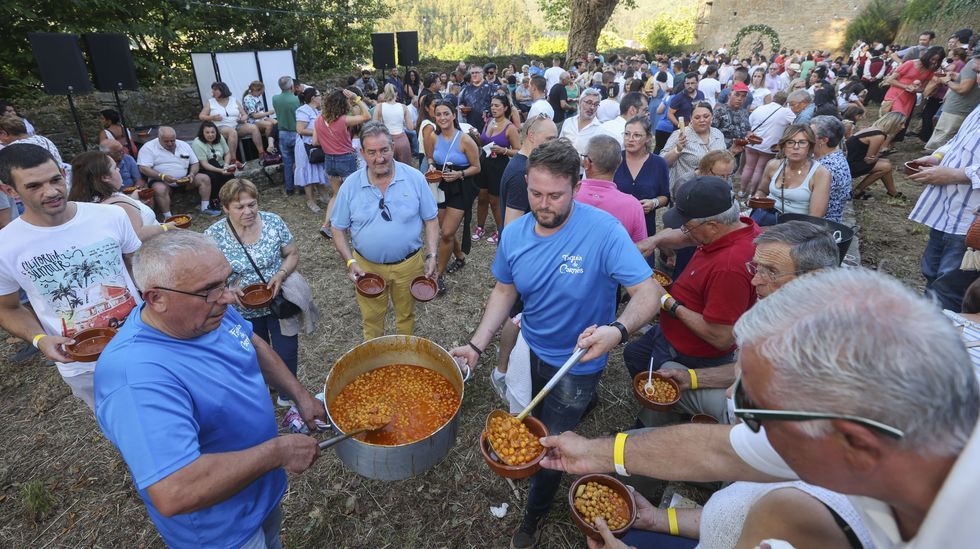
[398,281]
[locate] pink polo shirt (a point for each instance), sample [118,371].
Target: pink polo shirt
[624,207]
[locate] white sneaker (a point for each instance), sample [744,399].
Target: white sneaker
[284,403]
[499,383]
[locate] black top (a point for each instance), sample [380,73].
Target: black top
[555,97]
[513,185]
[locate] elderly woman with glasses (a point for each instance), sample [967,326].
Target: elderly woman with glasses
[260,249]
[797,182]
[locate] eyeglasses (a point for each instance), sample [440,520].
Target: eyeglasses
[765,272]
[753,417]
[212,295]
[585,156]
[796,144]
[685,229]
[385,212]
[589,103]
[631,136]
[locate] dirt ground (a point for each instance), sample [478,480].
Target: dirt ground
[53,439]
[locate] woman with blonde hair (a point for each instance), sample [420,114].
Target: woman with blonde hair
[797,182]
[396,118]
[864,154]
[761,95]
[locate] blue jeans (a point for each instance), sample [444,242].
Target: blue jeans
[943,255]
[654,347]
[645,539]
[413,141]
[287,149]
[287,347]
[267,536]
[560,411]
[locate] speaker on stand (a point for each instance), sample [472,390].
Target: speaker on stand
[112,64]
[408,48]
[63,71]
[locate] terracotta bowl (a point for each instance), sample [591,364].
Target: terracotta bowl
[370,285]
[423,288]
[89,344]
[754,139]
[256,296]
[705,419]
[146,193]
[662,278]
[128,190]
[182,181]
[741,142]
[617,487]
[515,471]
[646,401]
[182,221]
[433,176]
[762,203]
[912,167]
[465,110]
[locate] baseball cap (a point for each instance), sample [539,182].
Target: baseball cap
[739,87]
[794,66]
[702,196]
[976,52]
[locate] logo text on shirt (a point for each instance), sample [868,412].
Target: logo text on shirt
[571,264]
[243,340]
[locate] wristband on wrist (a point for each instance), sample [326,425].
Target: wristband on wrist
[349,261]
[624,334]
[663,300]
[694,379]
[619,454]
[479,351]
[672,521]
[36,339]
[656,203]
[164,227]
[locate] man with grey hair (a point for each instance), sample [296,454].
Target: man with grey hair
[385,205]
[285,105]
[181,392]
[580,128]
[906,446]
[801,103]
[600,161]
[167,163]
[130,172]
[715,288]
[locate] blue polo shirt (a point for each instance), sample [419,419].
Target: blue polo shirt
[409,202]
[684,105]
[129,171]
[568,279]
[163,402]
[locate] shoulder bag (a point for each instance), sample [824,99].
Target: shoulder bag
[280,306]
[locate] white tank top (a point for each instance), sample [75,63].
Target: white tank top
[797,199]
[229,113]
[393,116]
[147,216]
[724,514]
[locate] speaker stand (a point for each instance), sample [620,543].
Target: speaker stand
[122,119]
[74,115]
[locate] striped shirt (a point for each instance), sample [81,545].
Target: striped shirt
[950,208]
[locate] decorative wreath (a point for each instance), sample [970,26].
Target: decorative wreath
[764,31]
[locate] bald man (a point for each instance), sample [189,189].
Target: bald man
[165,161]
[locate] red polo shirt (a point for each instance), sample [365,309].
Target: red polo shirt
[715,284]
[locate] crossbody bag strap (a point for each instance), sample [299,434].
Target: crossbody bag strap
[764,121]
[244,249]
[445,160]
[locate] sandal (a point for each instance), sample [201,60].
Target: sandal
[312,206]
[863,195]
[898,195]
[441,285]
[456,265]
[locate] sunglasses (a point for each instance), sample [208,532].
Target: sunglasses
[753,417]
[385,212]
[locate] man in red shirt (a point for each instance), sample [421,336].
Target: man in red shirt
[715,288]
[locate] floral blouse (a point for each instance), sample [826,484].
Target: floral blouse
[266,252]
[840,184]
[254,104]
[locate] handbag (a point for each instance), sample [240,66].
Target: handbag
[315,154]
[280,306]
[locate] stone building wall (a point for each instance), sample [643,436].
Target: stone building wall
[800,24]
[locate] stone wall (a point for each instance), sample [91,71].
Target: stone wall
[801,24]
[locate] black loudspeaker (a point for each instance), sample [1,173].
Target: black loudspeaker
[112,62]
[59,59]
[408,48]
[383,50]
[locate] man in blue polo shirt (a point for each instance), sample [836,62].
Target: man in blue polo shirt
[565,260]
[385,205]
[181,392]
[682,104]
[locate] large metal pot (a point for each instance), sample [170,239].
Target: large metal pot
[403,460]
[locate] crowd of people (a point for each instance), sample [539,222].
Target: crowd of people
[760,319]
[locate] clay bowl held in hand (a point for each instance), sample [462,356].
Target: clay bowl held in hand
[256,296]
[753,139]
[182,221]
[704,418]
[666,392]
[662,278]
[465,109]
[89,344]
[741,142]
[762,203]
[619,489]
[433,176]
[146,193]
[182,181]
[128,190]
[423,288]
[913,167]
[370,285]
[525,470]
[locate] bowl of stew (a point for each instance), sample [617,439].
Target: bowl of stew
[592,496]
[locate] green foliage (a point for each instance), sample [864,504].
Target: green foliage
[670,32]
[546,46]
[36,500]
[609,40]
[558,13]
[327,34]
[755,38]
[879,20]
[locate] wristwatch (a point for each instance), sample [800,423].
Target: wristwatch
[673,308]
[624,334]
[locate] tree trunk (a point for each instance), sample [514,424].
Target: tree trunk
[588,19]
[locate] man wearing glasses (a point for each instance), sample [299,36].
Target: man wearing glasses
[71,258]
[477,95]
[885,412]
[713,291]
[181,392]
[580,128]
[385,206]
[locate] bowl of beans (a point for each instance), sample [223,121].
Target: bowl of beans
[518,444]
[181,221]
[146,193]
[256,296]
[662,278]
[89,344]
[370,285]
[662,397]
[593,496]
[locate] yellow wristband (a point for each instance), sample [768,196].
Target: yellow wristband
[663,300]
[672,521]
[694,379]
[357,99]
[37,338]
[164,227]
[349,261]
[619,454]
[938,155]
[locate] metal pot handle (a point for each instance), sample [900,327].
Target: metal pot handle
[461,364]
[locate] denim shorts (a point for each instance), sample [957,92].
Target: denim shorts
[339,165]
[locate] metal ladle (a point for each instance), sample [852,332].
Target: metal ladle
[373,427]
[572,361]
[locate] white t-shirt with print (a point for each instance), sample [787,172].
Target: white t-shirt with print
[74,273]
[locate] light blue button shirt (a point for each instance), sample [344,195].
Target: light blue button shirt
[358,208]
